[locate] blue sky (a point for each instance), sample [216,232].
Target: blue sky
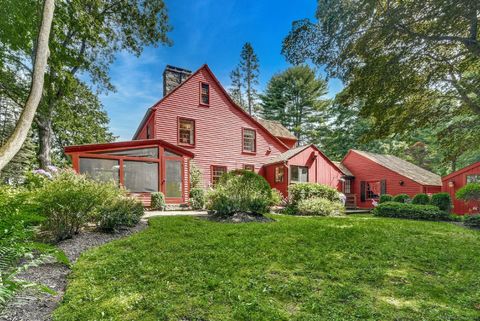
[204,31]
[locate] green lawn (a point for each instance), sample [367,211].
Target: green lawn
[359,267]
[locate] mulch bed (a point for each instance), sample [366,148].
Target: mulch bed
[239,218]
[32,305]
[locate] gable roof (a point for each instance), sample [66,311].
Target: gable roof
[461,170]
[276,128]
[402,167]
[344,169]
[217,82]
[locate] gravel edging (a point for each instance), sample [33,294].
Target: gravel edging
[31,305]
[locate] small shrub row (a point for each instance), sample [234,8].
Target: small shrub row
[472,221]
[319,207]
[421,199]
[441,200]
[302,191]
[411,211]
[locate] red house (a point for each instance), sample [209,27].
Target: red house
[456,180]
[196,119]
[370,175]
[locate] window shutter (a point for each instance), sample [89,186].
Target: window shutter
[383,187]
[362,191]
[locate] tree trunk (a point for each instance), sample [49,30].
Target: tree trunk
[45,143]
[19,135]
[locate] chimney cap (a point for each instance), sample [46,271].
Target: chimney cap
[177,69]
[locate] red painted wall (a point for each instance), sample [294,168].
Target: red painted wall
[366,170]
[218,127]
[459,179]
[320,170]
[150,122]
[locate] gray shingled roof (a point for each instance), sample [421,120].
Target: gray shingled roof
[287,155]
[343,168]
[404,168]
[276,128]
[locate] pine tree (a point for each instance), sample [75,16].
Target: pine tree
[245,76]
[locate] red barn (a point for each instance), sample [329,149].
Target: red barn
[196,118]
[456,180]
[374,174]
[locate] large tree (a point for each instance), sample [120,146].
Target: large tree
[245,79]
[414,64]
[295,99]
[85,38]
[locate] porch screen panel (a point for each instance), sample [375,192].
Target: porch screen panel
[140,177]
[173,178]
[103,170]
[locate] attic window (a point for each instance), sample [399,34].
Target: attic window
[249,140]
[204,93]
[149,132]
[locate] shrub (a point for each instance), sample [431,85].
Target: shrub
[157,201]
[421,199]
[240,191]
[302,191]
[443,201]
[385,198]
[197,198]
[319,206]
[472,221]
[195,175]
[401,198]
[470,193]
[277,197]
[69,201]
[412,211]
[123,211]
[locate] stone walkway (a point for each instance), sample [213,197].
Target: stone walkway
[149,214]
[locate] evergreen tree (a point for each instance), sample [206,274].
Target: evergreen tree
[295,99]
[245,76]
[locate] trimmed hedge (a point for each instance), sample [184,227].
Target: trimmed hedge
[401,198]
[472,221]
[411,211]
[385,198]
[319,207]
[421,199]
[302,191]
[443,201]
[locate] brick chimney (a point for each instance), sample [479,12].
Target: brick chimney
[172,77]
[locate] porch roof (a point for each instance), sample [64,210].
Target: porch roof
[127,144]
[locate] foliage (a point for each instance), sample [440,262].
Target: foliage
[244,79]
[121,211]
[294,98]
[240,191]
[195,175]
[443,201]
[157,201]
[411,211]
[401,198]
[469,193]
[277,197]
[411,65]
[84,45]
[421,199]
[385,198]
[197,198]
[302,191]
[71,200]
[472,221]
[215,271]
[317,206]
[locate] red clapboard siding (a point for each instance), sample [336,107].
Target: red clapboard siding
[366,170]
[458,179]
[218,127]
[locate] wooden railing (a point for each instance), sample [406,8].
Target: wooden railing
[351,201]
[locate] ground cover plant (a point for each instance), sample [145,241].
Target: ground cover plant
[316,268]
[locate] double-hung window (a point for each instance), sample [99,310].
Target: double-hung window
[217,172]
[249,140]
[298,174]
[204,93]
[186,131]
